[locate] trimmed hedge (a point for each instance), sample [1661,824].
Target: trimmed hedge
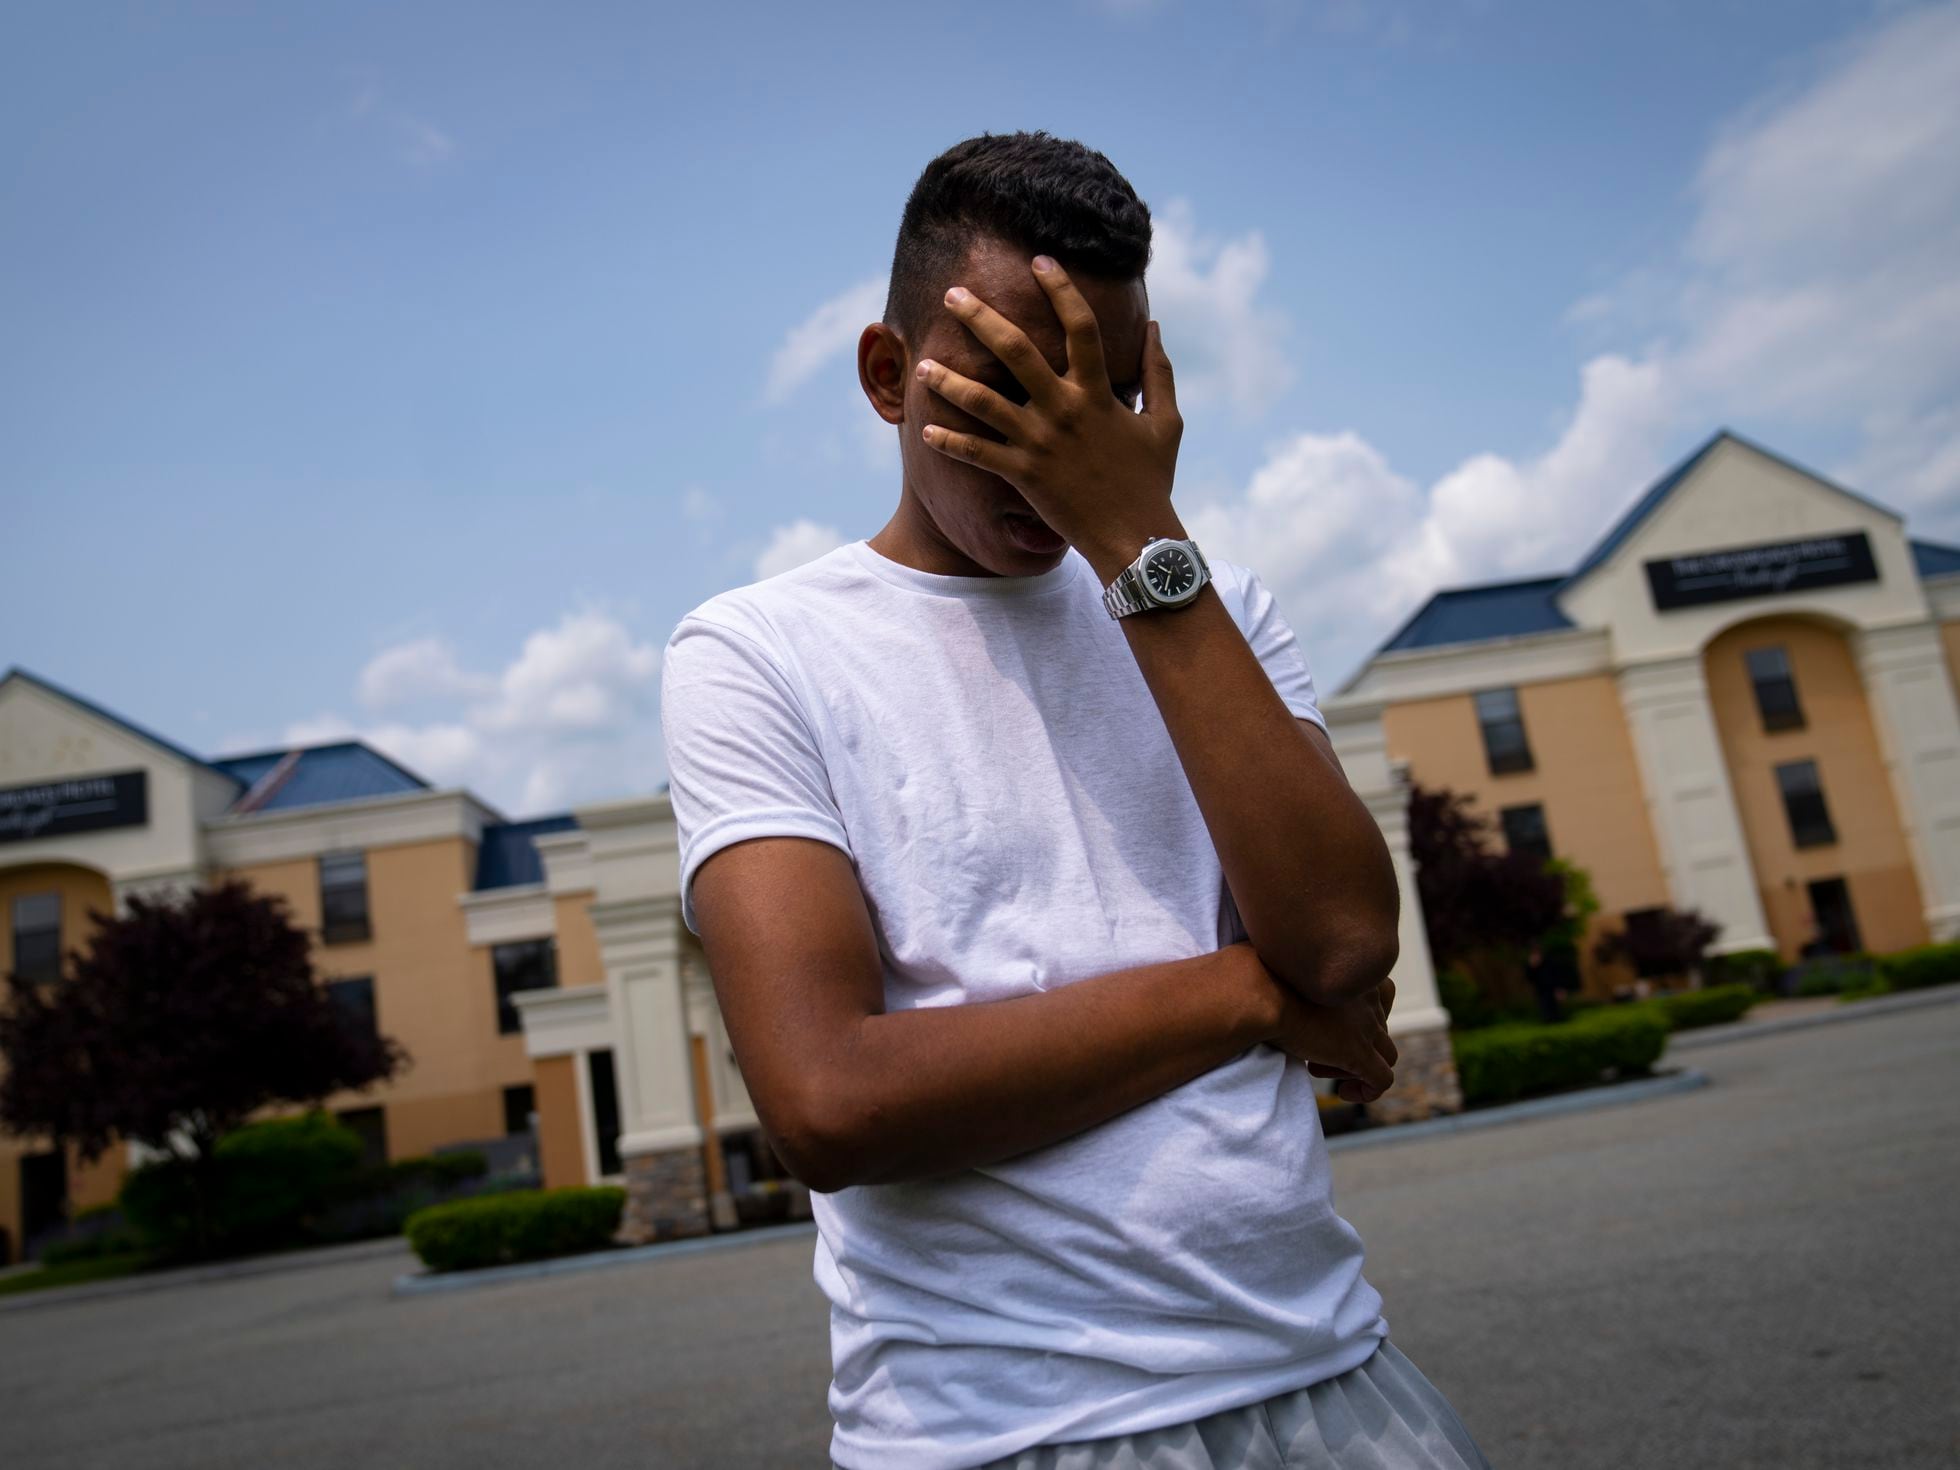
[1917,969]
[1500,1063]
[255,1192]
[523,1225]
[1690,1008]
[1760,968]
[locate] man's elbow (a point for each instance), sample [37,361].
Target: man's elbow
[819,1138]
[1350,967]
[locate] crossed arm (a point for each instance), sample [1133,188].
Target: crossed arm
[850,1094]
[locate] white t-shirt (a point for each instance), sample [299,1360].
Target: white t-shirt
[986,751]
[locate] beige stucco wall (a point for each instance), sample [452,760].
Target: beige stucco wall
[433,991]
[1950,636]
[561,1140]
[1585,776]
[1870,853]
[578,941]
[81,889]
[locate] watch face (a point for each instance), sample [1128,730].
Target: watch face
[1171,573]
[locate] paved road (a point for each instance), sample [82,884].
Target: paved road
[1762,1273]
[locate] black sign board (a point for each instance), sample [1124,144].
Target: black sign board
[1761,571]
[74,804]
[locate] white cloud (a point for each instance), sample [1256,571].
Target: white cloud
[1816,289]
[698,506]
[417,140]
[410,672]
[571,718]
[792,545]
[832,329]
[1225,346]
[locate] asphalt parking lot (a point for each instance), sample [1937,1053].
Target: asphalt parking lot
[1760,1273]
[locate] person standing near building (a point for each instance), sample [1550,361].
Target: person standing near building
[1028,879]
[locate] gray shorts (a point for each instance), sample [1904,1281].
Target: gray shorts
[1381,1415]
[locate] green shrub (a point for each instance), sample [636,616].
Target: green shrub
[91,1247]
[1916,969]
[523,1225]
[1500,1063]
[1758,968]
[1687,1009]
[1469,1007]
[1829,974]
[256,1191]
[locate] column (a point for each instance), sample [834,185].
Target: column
[660,1132]
[1689,800]
[1425,1068]
[1914,712]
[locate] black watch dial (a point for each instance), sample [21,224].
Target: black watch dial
[1171,572]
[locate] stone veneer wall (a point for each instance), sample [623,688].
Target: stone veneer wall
[1425,1079]
[666,1196]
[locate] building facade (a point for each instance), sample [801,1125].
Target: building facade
[1741,701]
[402,887]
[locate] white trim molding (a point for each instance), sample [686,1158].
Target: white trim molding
[508,915]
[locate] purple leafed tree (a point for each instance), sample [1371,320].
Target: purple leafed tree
[1475,898]
[176,1024]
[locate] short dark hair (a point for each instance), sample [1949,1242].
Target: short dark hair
[1048,195]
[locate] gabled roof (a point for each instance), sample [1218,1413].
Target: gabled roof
[507,857]
[1655,495]
[1935,558]
[343,770]
[1477,614]
[50,687]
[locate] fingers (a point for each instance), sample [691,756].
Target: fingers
[1007,342]
[975,399]
[1078,319]
[1004,460]
[1159,388]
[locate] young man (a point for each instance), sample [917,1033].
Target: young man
[1028,879]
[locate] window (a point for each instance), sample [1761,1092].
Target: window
[1503,725]
[520,1103]
[530,965]
[37,936]
[1776,691]
[372,1125]
[605,1111]
[1837,926]
[1803,803]
[343,897]
[356,999]
[1524,831]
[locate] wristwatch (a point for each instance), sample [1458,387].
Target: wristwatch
[1169,574]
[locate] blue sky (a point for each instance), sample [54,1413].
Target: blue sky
[408,370]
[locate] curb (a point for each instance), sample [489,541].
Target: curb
[429,1283]
[1581,1101]
[142,1281]
[1854,1010]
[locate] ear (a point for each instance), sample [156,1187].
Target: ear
[884,368]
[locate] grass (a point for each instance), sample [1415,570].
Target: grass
[74,1273]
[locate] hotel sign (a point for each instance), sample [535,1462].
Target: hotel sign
[1761,571]
[75,804]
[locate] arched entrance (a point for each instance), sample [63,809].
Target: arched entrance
[1830,854]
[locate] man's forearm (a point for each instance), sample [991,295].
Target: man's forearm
[1307,865]
[915,1093]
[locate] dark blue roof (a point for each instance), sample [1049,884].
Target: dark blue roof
[1474,614]
[346,770]
[115,719]
[507,857]
[1935,558]
[1651,498]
